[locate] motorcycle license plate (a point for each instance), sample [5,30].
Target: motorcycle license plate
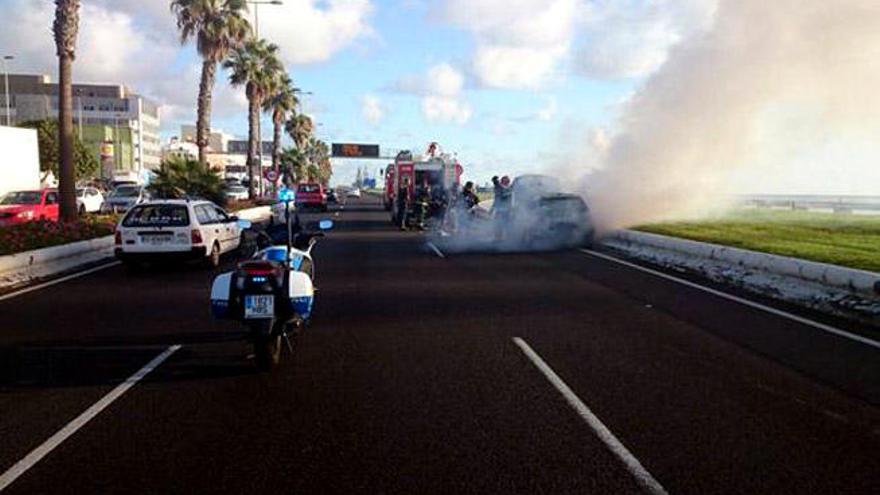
[256,307]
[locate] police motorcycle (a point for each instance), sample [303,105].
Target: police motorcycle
[272,293]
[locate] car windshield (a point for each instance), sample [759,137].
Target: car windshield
[126,192]
[308,188]
[563,208]
[22,198]
[159,215]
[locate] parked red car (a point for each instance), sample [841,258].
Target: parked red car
[23,206]
[311,195]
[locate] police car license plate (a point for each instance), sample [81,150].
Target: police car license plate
[256,307]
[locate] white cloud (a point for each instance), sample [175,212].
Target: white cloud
[444,80]
[441,91]
[371,109]
[136,43]
[632,38]
[519,43]
[310,31]
[446,109]
[548,112]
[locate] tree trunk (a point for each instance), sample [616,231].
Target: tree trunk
[66,170]
[276,146]
[203,121]
[253,123]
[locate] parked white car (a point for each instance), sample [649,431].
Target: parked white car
[236,193]
[177,229]
[88,200]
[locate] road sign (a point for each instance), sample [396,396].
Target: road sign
[270,175]
[354,150]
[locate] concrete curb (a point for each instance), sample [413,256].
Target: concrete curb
[823,287]
[861,282]
[256,214]
[19,268]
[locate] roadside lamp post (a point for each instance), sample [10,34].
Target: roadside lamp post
[256,4]
[6,59]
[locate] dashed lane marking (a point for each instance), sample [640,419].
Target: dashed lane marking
[642,476]
[63,434]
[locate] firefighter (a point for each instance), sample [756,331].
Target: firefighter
[421,202]
[403,203]
[501,206]
[469,197]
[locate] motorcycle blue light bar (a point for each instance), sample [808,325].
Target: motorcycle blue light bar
[285,194]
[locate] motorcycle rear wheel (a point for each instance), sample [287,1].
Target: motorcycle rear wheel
[267,348]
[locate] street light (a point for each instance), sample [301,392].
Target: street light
[6,58]
[256,4]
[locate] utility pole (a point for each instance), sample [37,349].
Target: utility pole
[6,58]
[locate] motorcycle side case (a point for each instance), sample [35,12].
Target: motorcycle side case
[301,293]
[221,291]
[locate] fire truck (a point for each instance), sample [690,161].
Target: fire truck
[439,170]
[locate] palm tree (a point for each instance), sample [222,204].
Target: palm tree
[254,65]
[319,153]
[65,29]
[281,101]
[218,27]
[294,165]
[181,177]
[300,127]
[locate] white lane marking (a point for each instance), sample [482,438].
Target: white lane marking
[63,434]
[57,281]
[436,250]
[746,302]
[642,476]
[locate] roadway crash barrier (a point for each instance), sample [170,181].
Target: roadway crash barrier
[21,268]
[830,288]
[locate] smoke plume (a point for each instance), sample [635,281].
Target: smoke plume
[725,99]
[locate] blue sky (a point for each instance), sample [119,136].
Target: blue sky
[500,83]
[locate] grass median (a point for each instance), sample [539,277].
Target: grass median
[840,239]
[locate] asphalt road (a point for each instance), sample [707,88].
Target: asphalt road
[410,381]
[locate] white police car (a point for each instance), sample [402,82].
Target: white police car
[177,229]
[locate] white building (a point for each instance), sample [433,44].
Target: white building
[106,116]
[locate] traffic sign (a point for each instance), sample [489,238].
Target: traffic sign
[354,150]
[270,175]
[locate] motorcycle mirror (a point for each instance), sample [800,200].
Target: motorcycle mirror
[244,224]
[325,224]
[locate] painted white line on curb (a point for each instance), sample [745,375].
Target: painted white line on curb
[436,250]
[642,476]
[63,434]
[746,302]
[57,281]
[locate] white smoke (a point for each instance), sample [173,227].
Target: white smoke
[721,108]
